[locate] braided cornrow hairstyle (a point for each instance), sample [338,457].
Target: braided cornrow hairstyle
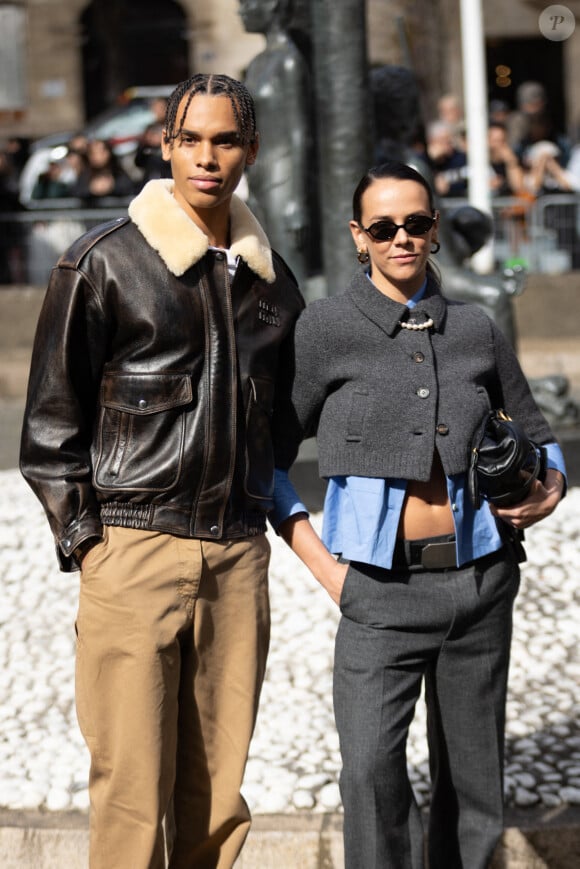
[215,86]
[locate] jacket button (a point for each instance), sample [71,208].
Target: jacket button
[442,429]
[214,529]
[66,544]
[142,403]
[418,356]
[423,392]
[219,255]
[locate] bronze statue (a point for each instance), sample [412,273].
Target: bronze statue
[278,79]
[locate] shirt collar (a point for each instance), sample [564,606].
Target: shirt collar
[387,313]
[418,295]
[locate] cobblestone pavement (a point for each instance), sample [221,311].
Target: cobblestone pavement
[294,760]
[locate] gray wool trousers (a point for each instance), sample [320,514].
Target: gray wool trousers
[451,628]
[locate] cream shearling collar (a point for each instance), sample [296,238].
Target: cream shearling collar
[180,243]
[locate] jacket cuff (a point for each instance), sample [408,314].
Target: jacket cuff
[76,533]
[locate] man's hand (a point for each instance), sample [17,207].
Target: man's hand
[82,550]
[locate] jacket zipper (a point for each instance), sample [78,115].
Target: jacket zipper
[210,399]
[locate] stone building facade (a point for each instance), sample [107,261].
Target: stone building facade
[61,60]
[52,95]
[427,35]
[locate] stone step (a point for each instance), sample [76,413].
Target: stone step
[308,841]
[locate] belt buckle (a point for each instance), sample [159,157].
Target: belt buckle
[438,555]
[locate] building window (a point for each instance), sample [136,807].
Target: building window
[12,57]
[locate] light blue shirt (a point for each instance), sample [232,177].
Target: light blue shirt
[362,514]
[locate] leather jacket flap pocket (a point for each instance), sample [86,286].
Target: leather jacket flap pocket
[141,431]
[144,394]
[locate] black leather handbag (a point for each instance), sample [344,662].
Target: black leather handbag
[503,462]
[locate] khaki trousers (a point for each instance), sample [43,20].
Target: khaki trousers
[172,642]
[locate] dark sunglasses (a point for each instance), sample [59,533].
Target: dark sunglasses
[386,230]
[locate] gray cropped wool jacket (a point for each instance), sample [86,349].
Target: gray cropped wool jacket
[381,399]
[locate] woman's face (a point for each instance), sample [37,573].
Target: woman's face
[398,266]
[98,154]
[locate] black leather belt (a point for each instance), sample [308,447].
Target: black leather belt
[430,553]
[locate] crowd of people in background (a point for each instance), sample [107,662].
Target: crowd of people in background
[529,156]
[91,169]
[88,169]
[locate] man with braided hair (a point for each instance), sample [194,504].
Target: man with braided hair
[159,384]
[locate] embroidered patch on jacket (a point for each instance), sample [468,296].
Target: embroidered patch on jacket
[268,313]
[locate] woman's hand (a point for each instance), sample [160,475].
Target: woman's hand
[307,545]
[541,501]
[333,581]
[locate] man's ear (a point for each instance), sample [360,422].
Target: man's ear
[166,147]
[253,149]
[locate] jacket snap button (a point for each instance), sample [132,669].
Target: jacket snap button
[214,529]
[418,356]
[142,403]
[442,429]
[423,392]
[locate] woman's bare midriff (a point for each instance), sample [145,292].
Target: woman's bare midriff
[426,510]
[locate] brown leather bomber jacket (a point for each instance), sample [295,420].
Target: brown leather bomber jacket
[158,385]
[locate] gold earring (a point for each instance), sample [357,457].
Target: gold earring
[362,255]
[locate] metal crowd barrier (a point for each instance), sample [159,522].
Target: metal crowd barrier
[543,234]
[31,241]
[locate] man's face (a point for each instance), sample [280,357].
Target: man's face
[208,157]
[440,145]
